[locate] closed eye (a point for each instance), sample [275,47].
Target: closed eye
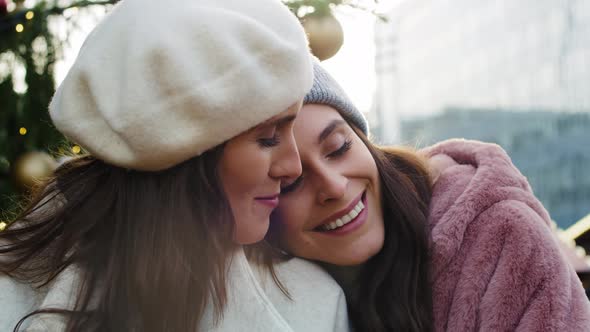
[291,187]
[342,150]
[269,142]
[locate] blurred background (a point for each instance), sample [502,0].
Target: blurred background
[513,72]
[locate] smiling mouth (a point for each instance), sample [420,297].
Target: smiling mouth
[345,219]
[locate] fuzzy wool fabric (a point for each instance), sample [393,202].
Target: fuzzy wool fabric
[157,83]
[496,265]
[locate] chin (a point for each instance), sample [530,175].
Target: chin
[250,236]
[358,258]
[354,260]
[248,240]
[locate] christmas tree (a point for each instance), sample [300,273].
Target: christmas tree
[29,50]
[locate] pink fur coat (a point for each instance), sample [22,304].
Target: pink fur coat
[496,264]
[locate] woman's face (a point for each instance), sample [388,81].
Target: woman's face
[332,213]
[252,167]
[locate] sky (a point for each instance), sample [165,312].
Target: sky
[354,66]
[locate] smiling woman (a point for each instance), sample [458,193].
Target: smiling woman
[323,230]
[450,238]
[251,168]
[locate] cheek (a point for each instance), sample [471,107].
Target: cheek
[288,220]
[290,223]
[363,154]
[364,161]
[243,169]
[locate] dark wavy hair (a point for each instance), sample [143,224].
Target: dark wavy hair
[394,290]
[151,247]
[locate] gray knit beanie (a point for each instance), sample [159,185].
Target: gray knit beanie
[327,91]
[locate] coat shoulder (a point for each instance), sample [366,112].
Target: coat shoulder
[16,301]
[315,301]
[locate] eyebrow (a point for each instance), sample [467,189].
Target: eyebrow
[329,129]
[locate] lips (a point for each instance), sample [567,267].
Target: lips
[344,220]
[271,201]
[343,216]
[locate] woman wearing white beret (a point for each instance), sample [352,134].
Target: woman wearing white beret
[186,111]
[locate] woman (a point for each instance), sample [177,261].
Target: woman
[189,127]
[450,238]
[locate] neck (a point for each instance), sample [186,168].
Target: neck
[346,277]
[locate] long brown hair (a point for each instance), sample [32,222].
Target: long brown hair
[395,293]
[151,247]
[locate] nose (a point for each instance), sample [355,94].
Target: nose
[331,185]
[286,164]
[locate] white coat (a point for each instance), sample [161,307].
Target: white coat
[255,303]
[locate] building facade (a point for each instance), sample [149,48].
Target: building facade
[514,72]
[552,149]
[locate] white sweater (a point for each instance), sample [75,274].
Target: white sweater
[255,303]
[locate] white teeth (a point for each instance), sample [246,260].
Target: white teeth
[354,212]
[359,208]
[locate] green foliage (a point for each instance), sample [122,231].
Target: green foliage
[31,53]
[304,8]
[34,52]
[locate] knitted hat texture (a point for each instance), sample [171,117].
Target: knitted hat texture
[327,91]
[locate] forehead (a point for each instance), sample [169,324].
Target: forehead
[310,122]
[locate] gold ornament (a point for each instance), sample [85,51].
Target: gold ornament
[3,226]
[325,35]
[33,167]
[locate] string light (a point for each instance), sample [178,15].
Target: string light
[2,226]
[19,28]
[29,15]
[76,149]
[22,131]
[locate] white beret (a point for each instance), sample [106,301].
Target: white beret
[159,82]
